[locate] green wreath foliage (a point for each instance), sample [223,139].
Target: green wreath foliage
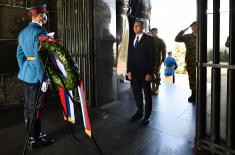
[49,48]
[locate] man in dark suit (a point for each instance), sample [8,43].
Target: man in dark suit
[140,70]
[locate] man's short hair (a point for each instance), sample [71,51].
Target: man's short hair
[153,29]
[140,21]
[194,23]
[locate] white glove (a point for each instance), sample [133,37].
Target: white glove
[44,86]
[51,34]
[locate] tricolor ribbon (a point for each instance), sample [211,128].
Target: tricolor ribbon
[86,120]
[67,105]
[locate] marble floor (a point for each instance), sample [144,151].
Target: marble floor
[170,132]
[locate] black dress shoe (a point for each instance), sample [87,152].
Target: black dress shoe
[45,141]
[145,121]
[136,116]
[42,134]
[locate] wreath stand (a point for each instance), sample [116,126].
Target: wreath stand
[35,107]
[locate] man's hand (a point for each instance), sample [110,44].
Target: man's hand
[129,76]
[51,34]
[44,86]
[148,77]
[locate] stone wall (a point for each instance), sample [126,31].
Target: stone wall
[13,18]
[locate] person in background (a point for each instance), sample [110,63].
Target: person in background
[227,43]
[190,57]
[170,66]
[159,58]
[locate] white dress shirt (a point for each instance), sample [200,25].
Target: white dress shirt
[140,36]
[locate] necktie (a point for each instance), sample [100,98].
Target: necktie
[136,42]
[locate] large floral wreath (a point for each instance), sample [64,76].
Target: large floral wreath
[62,68]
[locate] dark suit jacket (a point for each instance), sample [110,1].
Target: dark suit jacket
[141,59]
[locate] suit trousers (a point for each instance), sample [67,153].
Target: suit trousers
[31,92]
[137,87]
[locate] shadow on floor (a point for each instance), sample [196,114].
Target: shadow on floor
[170,132]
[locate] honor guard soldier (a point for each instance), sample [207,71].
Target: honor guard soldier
[170,66]
[31,73]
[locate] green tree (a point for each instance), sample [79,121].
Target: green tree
[179,54]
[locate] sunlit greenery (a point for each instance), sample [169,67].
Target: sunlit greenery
[179,55]
[224,55]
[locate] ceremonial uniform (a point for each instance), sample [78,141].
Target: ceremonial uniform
[170,66]
[31,70]
[32,73]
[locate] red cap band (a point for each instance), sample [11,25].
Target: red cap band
[37,10]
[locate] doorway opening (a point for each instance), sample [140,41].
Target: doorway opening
[171,17]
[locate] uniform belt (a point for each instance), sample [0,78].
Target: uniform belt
[31,58]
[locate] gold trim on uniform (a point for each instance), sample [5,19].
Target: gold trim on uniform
[31,58]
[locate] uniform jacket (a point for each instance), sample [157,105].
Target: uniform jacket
[190,43]
[30,71]
[141,58]
[161,50]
